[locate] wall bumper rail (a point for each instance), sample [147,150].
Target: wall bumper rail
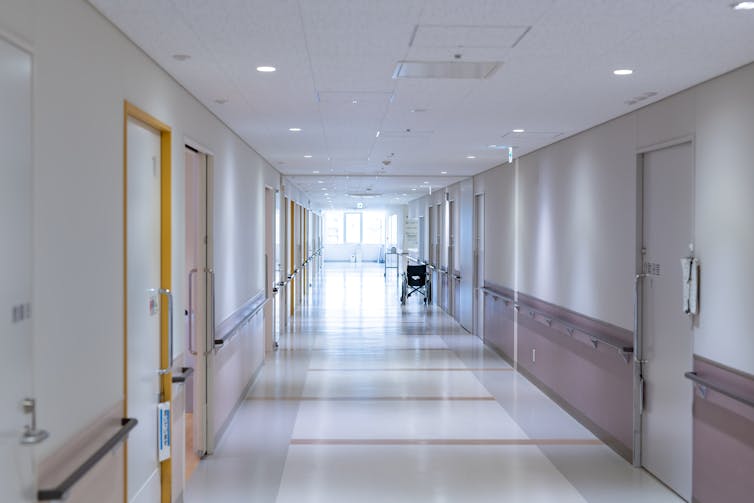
[705,384]
[568,329]
[61,491]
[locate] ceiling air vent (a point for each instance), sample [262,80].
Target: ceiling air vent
[445,69]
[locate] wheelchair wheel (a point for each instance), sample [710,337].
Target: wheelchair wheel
[404,289]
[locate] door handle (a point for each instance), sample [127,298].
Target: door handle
[169,295]
[638,378]
[191,312]
[31,435]
[211,273]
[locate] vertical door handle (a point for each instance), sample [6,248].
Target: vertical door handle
[211,344]
[638,379]
[169,295]
[191,348]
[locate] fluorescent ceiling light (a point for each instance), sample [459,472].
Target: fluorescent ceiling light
[445,69]
[443,172]
[519,130]
[266,69]
[316,171]
[470,157]
[744,6]
[307,156]
[413,189]
[623,71]
[294,129]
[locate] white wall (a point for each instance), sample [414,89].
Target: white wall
[499,188]
[346,252]
[577,222]
[84,69]
[567,214]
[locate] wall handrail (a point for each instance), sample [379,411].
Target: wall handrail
[705,385]
[183,375]
[418,261]
[547,319]
[221,341]
[61,490]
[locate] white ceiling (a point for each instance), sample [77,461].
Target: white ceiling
[555,77]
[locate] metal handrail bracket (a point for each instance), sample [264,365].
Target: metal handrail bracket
[61,490]
[705,385]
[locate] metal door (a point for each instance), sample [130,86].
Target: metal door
[465,255]
[16,453]
[479,265]
[667,336]
[197,277]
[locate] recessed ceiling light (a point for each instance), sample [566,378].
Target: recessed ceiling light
[324,188]
[413,189]
[426,182]
[404,194]
[307,156]
[491,146]
[623,71]
[294,129]
[355,102]
[320,181]
[743,6]
[519,130]
[266,69]
[470,157]
[443,172]
[377,135]
[419,110]
[316,171]
[181,57]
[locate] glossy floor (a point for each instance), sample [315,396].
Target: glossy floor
[370,401]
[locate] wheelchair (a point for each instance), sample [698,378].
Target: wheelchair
[416,280]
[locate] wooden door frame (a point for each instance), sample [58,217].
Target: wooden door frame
[130,111]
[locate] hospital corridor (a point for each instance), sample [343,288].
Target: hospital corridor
[369,400]
[376,251]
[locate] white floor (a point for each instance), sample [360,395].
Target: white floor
[370,401]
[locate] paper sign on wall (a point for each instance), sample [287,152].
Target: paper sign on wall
[411,234]
[163,430]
